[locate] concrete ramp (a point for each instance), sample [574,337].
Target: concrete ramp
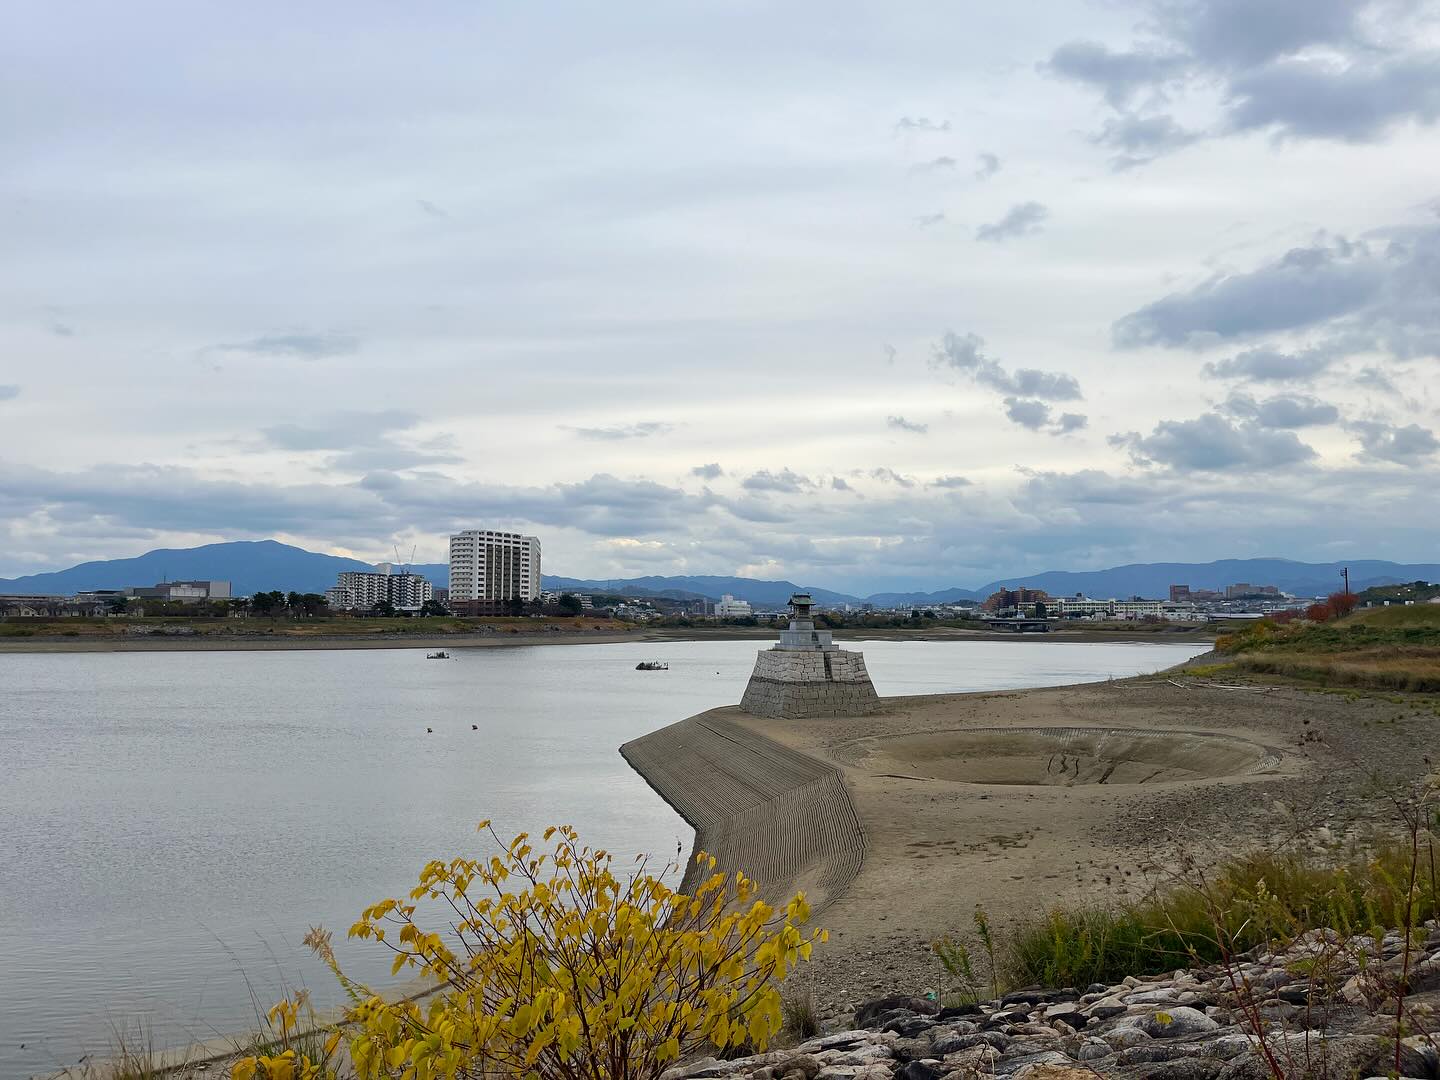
[782,817]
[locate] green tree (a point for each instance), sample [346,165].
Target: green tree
[432,607]
[569,604]
[384,610]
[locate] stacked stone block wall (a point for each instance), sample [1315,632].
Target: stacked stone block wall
[798,684]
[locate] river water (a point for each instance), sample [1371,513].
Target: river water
[172,823]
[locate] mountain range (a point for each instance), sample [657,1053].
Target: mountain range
[259,565]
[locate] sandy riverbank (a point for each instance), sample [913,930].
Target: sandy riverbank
[1242,769]
[507,638]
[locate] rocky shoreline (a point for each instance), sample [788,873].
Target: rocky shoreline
[1261,1016]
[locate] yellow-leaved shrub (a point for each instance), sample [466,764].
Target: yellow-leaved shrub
[553,967]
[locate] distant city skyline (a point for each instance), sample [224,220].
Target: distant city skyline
[869,296]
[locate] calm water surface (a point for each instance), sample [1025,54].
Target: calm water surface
[171,823]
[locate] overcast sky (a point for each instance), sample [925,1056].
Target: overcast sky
[863,295]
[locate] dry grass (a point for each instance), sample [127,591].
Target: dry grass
[1415,669]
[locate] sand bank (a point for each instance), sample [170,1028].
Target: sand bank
[1193,767]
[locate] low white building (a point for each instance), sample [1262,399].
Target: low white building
[730,608]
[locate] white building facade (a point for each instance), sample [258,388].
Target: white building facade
[486,564]
[730,608]
[357,590]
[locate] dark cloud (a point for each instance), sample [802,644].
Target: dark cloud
[1270,365]
[1298,68]
[1320,99]
[890,476]
[1141,139]
[305,346]
[1119,76]
[642,430]
[1408,445]
[9,391]
[1070,421]
[785,480]
[1212,443]
[963,353]
[428,207]
[989,165]
[1282,412]
[949,482]
[1023,219]
[899,423]
[838,484]
[712,471]
[1027,412]
[925,221]
[1305,286]
[921,124]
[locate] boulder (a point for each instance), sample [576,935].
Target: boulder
[919,1070]
[867,1013]
[1179,1021]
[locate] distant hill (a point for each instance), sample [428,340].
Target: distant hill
[249,565]
[253,566]
[1153,580]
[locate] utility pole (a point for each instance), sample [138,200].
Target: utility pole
[1345,573]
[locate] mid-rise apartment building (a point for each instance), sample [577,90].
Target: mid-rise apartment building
[493,566]
[730,608]
[357,590]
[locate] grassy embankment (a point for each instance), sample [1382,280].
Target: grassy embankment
[1394,648]
[292,628]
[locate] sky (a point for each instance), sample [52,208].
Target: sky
[863,295]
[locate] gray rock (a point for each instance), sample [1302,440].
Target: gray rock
[948,1040]
[1121,1037]
[1017,1066]
[993,1039]
[1195,1068]
[909,1026]
[1179,1021]
[1067,1013]
[1163,996]
[1093,1050]
[806,1064]
[867,1012]
[918,1070]
[840,1038]
[1106,1011]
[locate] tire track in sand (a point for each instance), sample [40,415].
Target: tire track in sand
[779,815]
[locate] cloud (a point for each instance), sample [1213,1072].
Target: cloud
[1297,68]
[1119,75]
[1022,219]
[988,167]
[1409,445]
[899,423]
[925,221]
[428,207]
[890,352]
[363,441]
[1141,139]
[1283,412]
[1027,412]
[949,482]
[963,353]
[1374,379]
[890,476]
[784,481]
[838,484]
[1270,365]
[921,124]
[642,430]
[1212,443]
[304,346]
[712,471]
[1070,421]
[9,391]
[1303,287]
[938,164]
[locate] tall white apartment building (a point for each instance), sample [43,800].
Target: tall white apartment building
[361,591]
[496,566]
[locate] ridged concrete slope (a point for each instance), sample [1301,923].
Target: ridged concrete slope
[780,816]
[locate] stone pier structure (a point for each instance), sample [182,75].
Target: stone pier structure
[806,674]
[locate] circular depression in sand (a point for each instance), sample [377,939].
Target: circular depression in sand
[1066,756]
